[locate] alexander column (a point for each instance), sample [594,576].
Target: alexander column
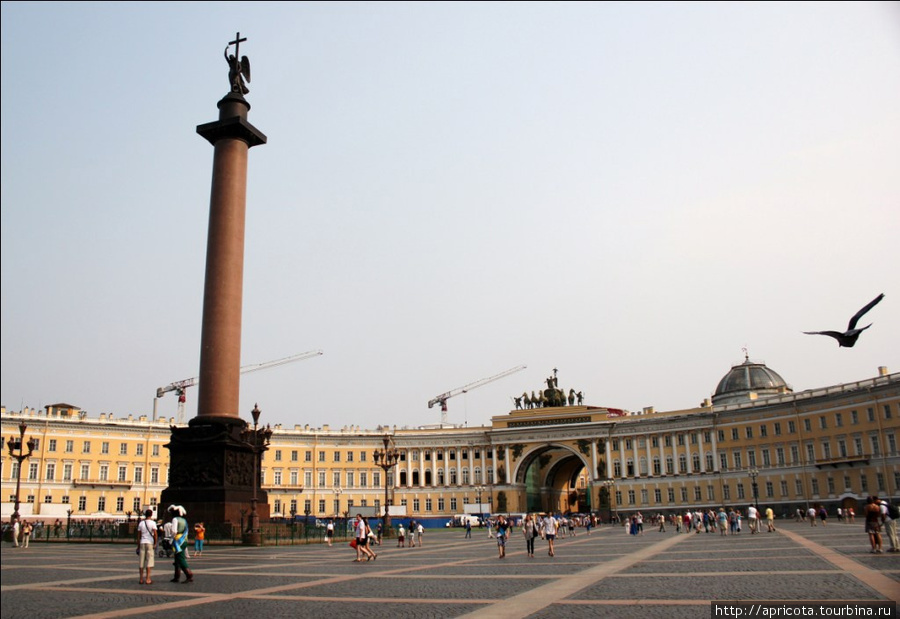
[211,461]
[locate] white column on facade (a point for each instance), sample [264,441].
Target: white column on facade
[458,467]
[434,468]
[422,468]
[409,467]
[675,468]
[623,468]
[593,474]
[471,465]
[636,456]
[483,465]
[508,472]
[715,452]
[649,456]
[609,463]
[662,454]
[700,451]
[687,446]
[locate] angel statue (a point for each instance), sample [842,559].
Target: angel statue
[238,71]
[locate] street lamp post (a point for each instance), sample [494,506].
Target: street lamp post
[68,523]
[258,440]
[754,473]
[386,459]
[478,490]
[17,444]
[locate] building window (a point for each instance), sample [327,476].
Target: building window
[322,506]
[136,505]
[67,472]
[875,446]
[139,449]
[657,495]
[830,482]
[82,503]
[617,468]
[779,456]
[710,493]
[86,447]
[101,504]
[842,448]
[854,418]
[70,446]
[453,504]
[737,460]
[726,492]
[51,445]
[322,459]
[276,480]
[792,427]
[807,425]
[682,464]
[777,427]
[798,487]
[680,440]
[295,455]
[870,414]
[631,497]
[823,423]
[85,472]
[154,475]
[723,461]
[644,497]
[104,472]
[810,453]
[740,491]
[670,494]
[863,482]
[684,495]
[336,479]
[767,460]
[350,480]
[349,456]
[120,504]
[51,471]
[770,489]
[698,495]
[887,411]
[734,434]
[337,456]
[670,466]
[795,454]
[838,420]
[138,474]
[104,447]
[749,431]
[155,451]
[657,466]
[428,505]
[123,449]
[815,486]
[123,473]
[721,436]
[763,431]
[784,488]
[277,457]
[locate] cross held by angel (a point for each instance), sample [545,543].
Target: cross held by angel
[238,70]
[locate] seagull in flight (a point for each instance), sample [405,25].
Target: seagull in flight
[848,338]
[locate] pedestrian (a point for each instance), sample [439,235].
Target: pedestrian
[874,520]
[753,518]
[811,514]
[362,539]
[412,534]
[180,530]
[502,536]
[420,530]
[378,533]
[146,547]
[890,513]
[401,536]
[823,515]
[16,529]
[550,527]
[199,537]
[530,530]
[770,519]
[26,533]
[329,532]
[468,529]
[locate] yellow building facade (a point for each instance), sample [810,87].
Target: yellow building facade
[756,439]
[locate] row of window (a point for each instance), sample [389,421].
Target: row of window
[85,469]
[86,447]
[349,456]
[768,490]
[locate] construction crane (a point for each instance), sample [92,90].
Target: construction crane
[442,399]
[180,386]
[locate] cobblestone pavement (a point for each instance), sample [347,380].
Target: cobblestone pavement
[607,574]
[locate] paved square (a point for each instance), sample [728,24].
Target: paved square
[607,574]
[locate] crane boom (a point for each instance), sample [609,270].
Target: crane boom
[442,398]
[179,386]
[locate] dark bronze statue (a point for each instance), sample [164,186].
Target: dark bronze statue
[238,70]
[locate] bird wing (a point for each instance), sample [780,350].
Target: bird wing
[859,314]
[835,334]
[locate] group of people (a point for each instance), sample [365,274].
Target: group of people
[881,515]
[20,529]
[148,540]
[416,531]
[546,527]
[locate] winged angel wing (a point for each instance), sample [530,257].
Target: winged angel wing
[245,67]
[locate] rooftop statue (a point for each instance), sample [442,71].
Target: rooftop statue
[238,70]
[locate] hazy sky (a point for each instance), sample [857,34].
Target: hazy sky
[630,193]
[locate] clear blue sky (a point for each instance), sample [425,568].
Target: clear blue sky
[630,193]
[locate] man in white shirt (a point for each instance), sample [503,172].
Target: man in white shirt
[550,525]
[753,518]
